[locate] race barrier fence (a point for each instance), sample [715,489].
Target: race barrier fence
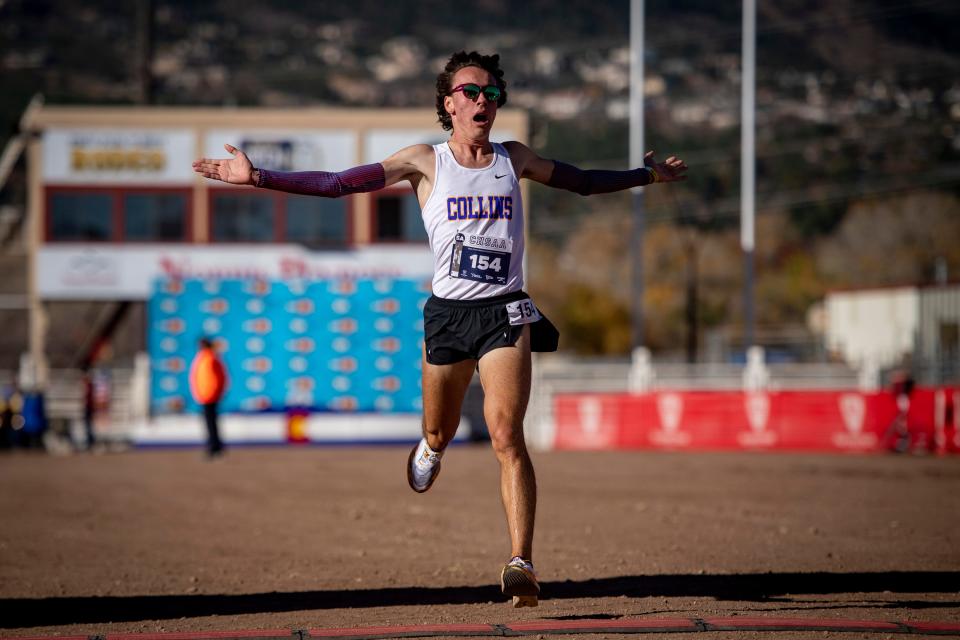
[808,420]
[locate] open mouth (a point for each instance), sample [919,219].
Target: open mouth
[481,117]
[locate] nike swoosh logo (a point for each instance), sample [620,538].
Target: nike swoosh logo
[503,176]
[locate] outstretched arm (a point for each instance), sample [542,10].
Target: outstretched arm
[239,170]
[328,184]
[588,182]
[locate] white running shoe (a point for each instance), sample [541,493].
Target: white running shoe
[423,466]
[518,581]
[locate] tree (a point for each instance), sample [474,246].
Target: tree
[894,240]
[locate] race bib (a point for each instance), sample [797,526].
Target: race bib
[481,258]
[522,311]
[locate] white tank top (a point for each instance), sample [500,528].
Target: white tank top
[474,219]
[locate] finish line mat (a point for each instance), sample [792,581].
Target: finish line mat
[547,627]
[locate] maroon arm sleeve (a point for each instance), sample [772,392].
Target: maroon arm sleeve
[369,177]
[592,181]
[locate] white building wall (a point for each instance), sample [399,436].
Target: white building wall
[874,327]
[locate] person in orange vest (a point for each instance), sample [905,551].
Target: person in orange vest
[208,380]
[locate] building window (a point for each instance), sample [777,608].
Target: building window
[397,218]
[81,216]
[149,217]
[243,218]
[316,221]
[116,214]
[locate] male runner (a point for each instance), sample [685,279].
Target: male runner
[478,317]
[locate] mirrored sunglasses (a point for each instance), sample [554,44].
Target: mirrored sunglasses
[472,91]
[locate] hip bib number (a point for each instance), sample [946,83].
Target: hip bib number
[481,258]
[522,311]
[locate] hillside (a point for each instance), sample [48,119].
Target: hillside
[858,108]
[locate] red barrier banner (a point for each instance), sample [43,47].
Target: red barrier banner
[845,420]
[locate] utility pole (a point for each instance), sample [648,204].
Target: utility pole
[692,279]
[748,164]
[145,52]
[636,160]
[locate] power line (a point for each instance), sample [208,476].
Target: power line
[729,208]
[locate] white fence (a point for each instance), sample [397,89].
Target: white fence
[552,374]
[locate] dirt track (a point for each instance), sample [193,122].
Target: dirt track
[332,537]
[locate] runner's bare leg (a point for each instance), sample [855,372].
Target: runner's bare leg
[505,375]
[444,388]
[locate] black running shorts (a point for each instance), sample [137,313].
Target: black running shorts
[456,330]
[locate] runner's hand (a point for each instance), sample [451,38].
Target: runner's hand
[236,170]
[672,169]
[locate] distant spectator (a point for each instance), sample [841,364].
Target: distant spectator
[897,436]
[11,420]
[208,380]
[89,408]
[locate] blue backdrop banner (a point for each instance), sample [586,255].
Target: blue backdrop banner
[343,345]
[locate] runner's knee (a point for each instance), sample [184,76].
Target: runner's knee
[507,440]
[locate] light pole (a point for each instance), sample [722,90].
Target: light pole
[636,160]
[748,163]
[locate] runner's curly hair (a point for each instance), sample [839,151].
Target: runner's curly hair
[459,60]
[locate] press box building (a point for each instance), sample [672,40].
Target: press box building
[113,205]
